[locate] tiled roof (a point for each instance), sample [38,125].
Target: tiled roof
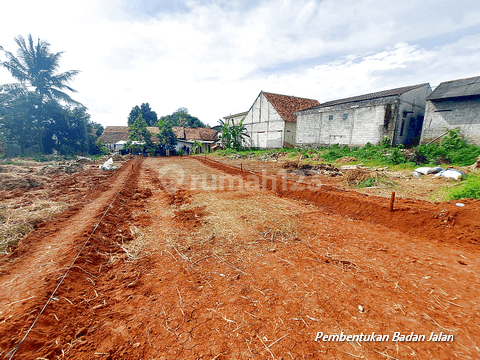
[371,96]
[114,134]
[199,133]
[456,88]
[286,106]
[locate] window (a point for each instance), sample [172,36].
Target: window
[330,117]
[345,116]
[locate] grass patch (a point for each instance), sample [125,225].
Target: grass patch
[451,149]
[470,189]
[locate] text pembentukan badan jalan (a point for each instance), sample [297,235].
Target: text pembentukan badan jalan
[397,336]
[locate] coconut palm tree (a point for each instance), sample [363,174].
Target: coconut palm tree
[35,67]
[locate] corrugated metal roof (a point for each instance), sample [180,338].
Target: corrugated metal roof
[375,95]
[456,88]
[286,106]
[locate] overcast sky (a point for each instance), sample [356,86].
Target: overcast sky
[215,56]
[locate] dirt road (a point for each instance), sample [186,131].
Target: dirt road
[198,260]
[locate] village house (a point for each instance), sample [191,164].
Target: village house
[453,104]
[115,137]
[397,114]
[271,120]
[186,138]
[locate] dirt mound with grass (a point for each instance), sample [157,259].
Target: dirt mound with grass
[412,217]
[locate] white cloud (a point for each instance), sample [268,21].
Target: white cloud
[213,58]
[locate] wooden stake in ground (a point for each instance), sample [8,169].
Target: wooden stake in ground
[392,200]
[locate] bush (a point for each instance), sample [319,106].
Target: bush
[470,189]
[465,156]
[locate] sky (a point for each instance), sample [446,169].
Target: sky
[213,57]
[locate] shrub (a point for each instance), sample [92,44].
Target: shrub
[470,189]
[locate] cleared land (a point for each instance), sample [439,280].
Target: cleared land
[196,259]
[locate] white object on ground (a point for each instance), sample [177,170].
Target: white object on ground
[428,170]
[108,165]
[451,173]
[460,204]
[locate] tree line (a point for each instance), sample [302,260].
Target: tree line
[143,116]
[36,113]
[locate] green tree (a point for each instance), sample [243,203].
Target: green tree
[166,137]
[21,122]
[68,130]
[139,137]
[37,67]
[31,109]
[147,113]
[182,118]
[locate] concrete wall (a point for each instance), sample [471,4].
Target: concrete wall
[264,125]
[290,134]
[352,124]
[449,114]
[360,122]
[411,111]
[236,118]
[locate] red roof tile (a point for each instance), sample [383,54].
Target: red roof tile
[286,106]
[114,134]
[194,133]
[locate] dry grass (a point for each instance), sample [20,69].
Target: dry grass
[15,223]
[21,181]
[357,176]
[234,226]
[132,250]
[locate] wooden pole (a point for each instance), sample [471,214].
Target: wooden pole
[392,200]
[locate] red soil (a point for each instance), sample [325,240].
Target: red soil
[413,270]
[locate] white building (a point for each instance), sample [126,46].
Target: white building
[271,120]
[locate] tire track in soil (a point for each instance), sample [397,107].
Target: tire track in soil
[32,272]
